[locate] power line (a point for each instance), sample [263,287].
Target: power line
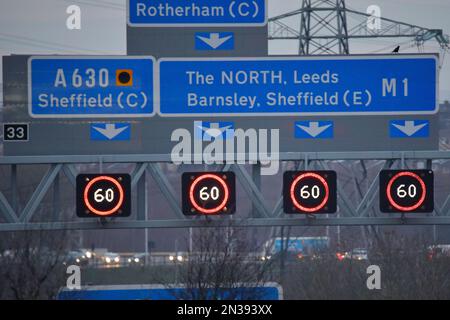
[42,43]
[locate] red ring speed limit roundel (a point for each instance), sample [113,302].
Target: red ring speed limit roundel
[410,190]
[208,193]
[406,191]
[321,183]
[103,195]
[309,192]
[95,201]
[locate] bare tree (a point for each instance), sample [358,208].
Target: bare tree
[225,264]
[406,273]
[32,264]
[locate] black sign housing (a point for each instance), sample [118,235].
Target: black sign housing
[309,192]
[15,132]
[103,195]
[208,193]
[405,191]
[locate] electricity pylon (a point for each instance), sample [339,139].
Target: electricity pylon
[324,28]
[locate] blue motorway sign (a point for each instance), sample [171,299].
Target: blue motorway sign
[90,86]
[270,291]
[275,86]
[182,13]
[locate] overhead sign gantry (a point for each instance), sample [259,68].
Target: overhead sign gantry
[315,115]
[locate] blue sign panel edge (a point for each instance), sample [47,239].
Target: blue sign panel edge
[100,290]
[182,25]
[93,57]
[157,105]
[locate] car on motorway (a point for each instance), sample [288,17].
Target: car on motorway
[358,254]
[76,257]
[7,255]
[137,259]
[341,255]
[111,259]
[438,251]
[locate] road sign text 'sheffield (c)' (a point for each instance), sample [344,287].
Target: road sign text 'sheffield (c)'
[90,86]
[181,13]
[384,84]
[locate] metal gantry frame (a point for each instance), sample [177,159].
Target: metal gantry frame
[351,212]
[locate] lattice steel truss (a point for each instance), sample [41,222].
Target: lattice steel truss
[350,212]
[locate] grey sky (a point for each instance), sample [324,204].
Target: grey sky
[38,26]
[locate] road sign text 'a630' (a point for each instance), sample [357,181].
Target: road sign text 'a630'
[90,86]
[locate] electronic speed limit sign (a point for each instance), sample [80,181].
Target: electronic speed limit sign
[406,191]
[103,195]
[309,192]
[208,193]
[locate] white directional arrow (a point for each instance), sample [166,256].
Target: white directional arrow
[314,129]
[409,128]
[110,131]
[214,40]
[214,131]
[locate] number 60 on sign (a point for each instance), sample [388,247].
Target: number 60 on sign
[103,195]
